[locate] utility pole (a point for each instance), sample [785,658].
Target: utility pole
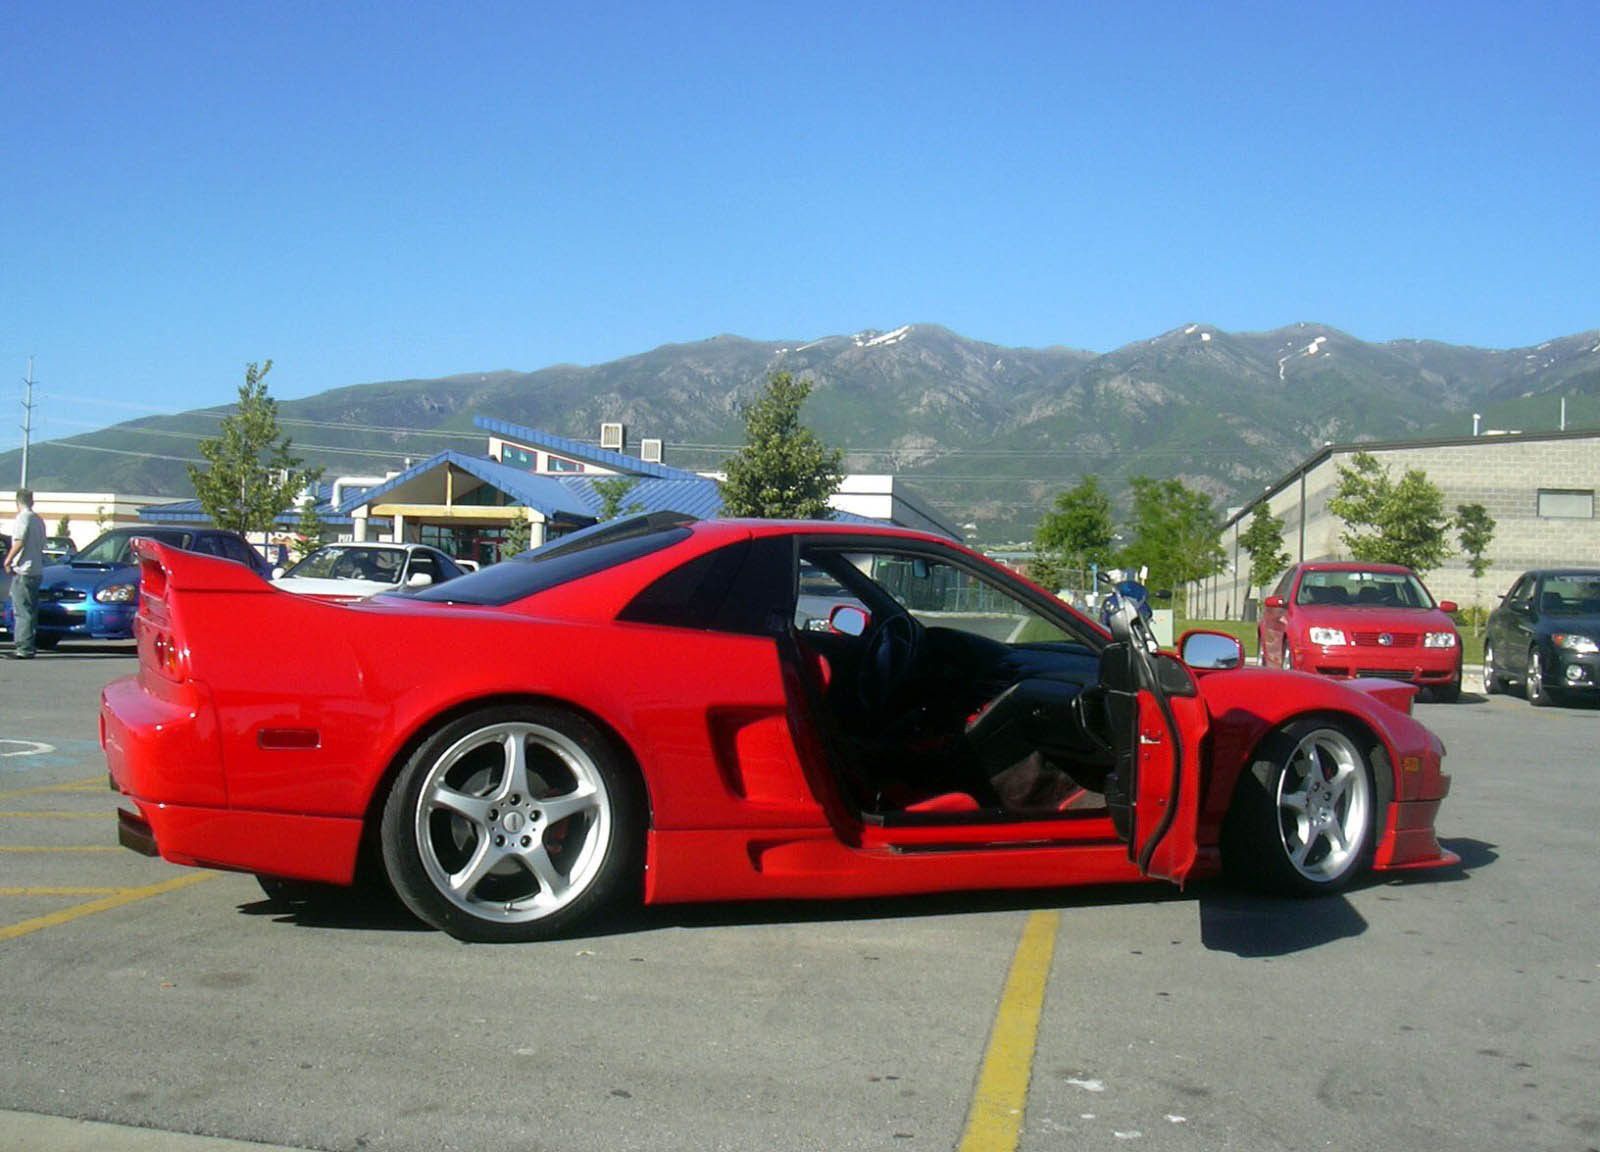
[27,421]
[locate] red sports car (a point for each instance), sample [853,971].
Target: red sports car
[645,709]
[1361,620]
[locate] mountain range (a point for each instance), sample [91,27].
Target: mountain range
[986,434]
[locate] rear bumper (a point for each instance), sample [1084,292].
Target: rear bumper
[164,754]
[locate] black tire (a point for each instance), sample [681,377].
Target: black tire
[1448,693]
[1539,694]
[514,823]
[1493,682]
[46,643]
[1280,840]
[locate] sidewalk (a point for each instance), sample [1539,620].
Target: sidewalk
[32,1132]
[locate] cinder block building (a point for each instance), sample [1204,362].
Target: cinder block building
[1539,488]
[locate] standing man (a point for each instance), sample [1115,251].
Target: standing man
[25,562]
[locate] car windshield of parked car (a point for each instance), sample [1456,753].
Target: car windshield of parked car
[1362,589]
[114,549]
[374,565]
[1570,594]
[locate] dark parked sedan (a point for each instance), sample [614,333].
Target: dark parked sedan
[1545,636]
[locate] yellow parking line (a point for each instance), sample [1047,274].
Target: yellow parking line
[53,816]
[994,1120]
[94,783]
[68,848]
[105,904]
[59,891]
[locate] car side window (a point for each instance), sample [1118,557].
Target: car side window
[1283,585]
[210,546]
[1521,594]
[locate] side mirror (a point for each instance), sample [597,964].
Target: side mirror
[1211,651]
[848,620]
[1448,607]
[278,571]
[419,580]
[1272,602]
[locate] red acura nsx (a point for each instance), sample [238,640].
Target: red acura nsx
[665,709]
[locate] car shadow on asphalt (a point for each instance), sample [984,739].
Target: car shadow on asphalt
[1246,924]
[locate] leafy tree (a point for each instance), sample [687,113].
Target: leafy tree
[613,491]
[783,471]
[1389,522]
[1263,541]
[1075,533]
[1175,533]
[253,476]
[63,527]
[1475,531]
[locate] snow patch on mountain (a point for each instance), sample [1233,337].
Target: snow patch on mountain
[885,340]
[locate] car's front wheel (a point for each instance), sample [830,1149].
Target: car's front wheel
[1539,694]
[513,823]
[1304,815]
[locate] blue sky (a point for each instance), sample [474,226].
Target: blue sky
[366,192]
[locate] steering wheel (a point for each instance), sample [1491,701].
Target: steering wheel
[890,652]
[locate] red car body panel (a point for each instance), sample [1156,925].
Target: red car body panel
[238,760]
[1382,642]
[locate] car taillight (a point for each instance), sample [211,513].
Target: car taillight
[167,655]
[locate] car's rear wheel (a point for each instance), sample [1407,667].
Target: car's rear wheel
[1304,815]
[1493,682]
[1539,695]
[513,823]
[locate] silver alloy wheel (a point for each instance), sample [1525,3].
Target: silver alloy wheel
[1535,689]
[1324,805]
[512,822]
[1491,681]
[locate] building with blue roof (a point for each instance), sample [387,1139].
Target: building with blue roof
[465,505]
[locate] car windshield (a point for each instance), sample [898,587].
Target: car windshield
[1362,589]
[1571,594]
[376,565]
[115,549]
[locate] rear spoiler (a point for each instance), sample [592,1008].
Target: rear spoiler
[163,567]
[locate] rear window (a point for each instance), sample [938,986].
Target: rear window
[558,562]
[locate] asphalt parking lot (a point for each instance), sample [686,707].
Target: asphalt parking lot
[1451,1010]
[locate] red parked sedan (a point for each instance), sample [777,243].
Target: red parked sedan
[1355,619]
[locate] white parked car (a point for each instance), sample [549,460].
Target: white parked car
[355,571]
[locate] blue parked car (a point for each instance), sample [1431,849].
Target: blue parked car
[95,595]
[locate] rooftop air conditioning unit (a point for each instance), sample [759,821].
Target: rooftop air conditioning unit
[650,451]
[611,436]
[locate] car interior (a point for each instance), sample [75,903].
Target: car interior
[942,695]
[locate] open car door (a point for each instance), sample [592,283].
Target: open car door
[1157,722]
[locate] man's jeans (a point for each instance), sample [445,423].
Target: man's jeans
[25,612]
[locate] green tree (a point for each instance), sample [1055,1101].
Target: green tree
[783,471]
[1263,542]
[1388,522]
[1175,533]
[1475,531]
[1074,534]
[516,538]
[613,491]
[252,476]
[63,527]
[308,527]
